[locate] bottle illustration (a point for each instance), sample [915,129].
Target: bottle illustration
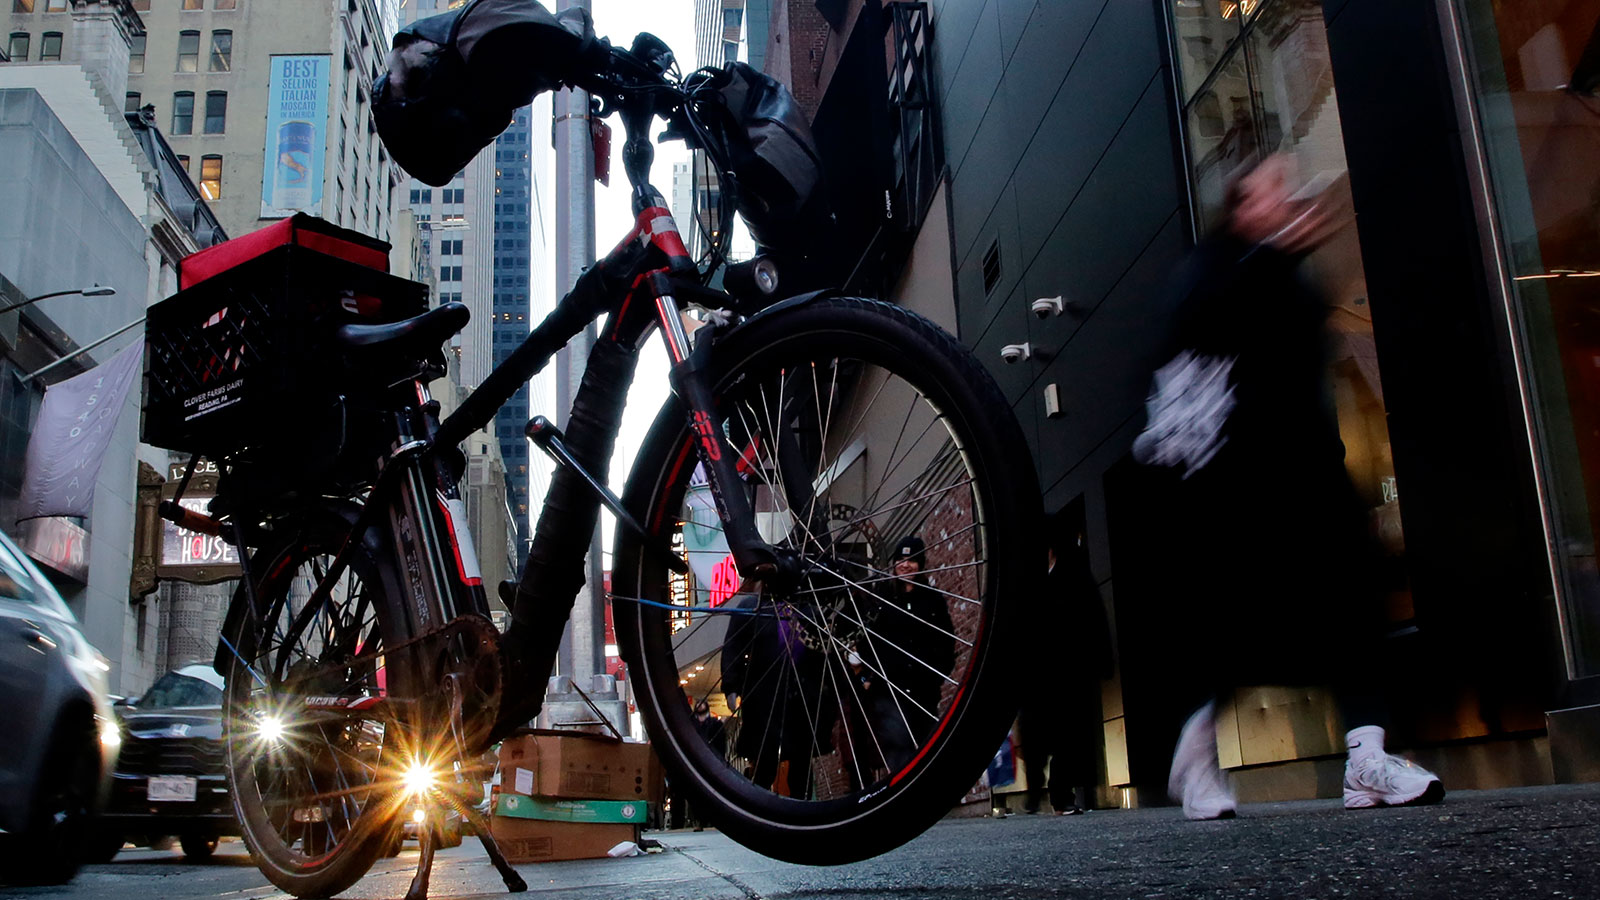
[291,186]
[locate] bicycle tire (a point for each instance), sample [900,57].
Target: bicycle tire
[295,855]
[890,801]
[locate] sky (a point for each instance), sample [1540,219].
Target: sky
[620,20]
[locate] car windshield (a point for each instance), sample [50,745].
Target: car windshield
[174,690]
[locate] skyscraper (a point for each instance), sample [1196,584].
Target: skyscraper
[522,296]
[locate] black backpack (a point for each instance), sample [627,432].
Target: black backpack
[456,79]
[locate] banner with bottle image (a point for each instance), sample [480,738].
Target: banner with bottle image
[297,136]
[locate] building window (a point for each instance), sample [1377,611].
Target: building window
[221,51]
[216,112]
[22,6]
[194,4]
[211,177]
[55,6]
[131,102]
[183,163]
[183,112]
[730,19]
[50,47]
[188,51]
[730,52]
[141,5]
[136,56]
[225,4]
[18,48]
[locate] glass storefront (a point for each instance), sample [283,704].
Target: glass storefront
[1535,66]
[1256,79]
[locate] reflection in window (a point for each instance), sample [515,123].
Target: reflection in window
[211,177]
[216,112]
[188,51]
[224,4]
[221,51]
[1538,72]
[55,6]
[194,4]
[183,112]
[17,49]
[22,6]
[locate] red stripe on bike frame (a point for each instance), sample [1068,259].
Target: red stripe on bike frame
[627,300]
[455,545]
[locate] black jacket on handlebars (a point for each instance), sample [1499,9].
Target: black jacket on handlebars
[455,80]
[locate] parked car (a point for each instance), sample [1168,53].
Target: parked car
[60,738]
[171,777]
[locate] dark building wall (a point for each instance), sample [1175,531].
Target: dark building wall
[1063,163]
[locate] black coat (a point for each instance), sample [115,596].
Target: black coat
[1269,566]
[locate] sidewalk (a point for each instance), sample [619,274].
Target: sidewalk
[1527,842]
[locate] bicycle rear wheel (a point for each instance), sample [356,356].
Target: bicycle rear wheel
[866,698]
[315,788]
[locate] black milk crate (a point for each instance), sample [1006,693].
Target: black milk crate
[232,361]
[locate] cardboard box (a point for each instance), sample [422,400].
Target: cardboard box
[579,766]
[533,840]
[551,809]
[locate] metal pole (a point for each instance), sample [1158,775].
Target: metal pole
[81,350]
[582,653]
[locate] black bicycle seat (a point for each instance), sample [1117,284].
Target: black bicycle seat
[419,333]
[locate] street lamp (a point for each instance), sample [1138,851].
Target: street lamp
[95,291]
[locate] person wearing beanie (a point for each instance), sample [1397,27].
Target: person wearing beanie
[910,644]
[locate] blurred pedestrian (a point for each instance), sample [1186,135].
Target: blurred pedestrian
[1273,567]
[1061,728]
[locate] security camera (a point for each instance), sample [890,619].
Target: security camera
[1015,353]
[1045,307]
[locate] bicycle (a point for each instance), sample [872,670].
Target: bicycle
[806,437]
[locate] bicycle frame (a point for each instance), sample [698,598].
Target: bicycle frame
[636,284]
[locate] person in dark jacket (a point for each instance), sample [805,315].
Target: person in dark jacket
[1060,727]
[1272,569]
[908,654]
[772,682]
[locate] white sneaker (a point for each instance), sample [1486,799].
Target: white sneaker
[1383,779]
[1197,780]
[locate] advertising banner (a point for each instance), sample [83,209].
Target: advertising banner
[72,434]
[297,135]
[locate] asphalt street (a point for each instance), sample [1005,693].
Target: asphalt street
[1524,843]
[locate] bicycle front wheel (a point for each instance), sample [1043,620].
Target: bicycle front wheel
[836,716]
[316,788]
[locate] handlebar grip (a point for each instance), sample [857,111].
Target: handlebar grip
[188,518]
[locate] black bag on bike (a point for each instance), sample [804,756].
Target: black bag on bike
[455,80]
[771,153]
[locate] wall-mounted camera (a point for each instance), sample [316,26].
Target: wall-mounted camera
[1045,307]
[1015,353]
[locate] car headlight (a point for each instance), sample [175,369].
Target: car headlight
[110,735]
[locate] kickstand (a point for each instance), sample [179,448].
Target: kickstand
[480,823]
[480,826]
[425,838]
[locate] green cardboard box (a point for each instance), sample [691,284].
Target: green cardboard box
[548,809]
